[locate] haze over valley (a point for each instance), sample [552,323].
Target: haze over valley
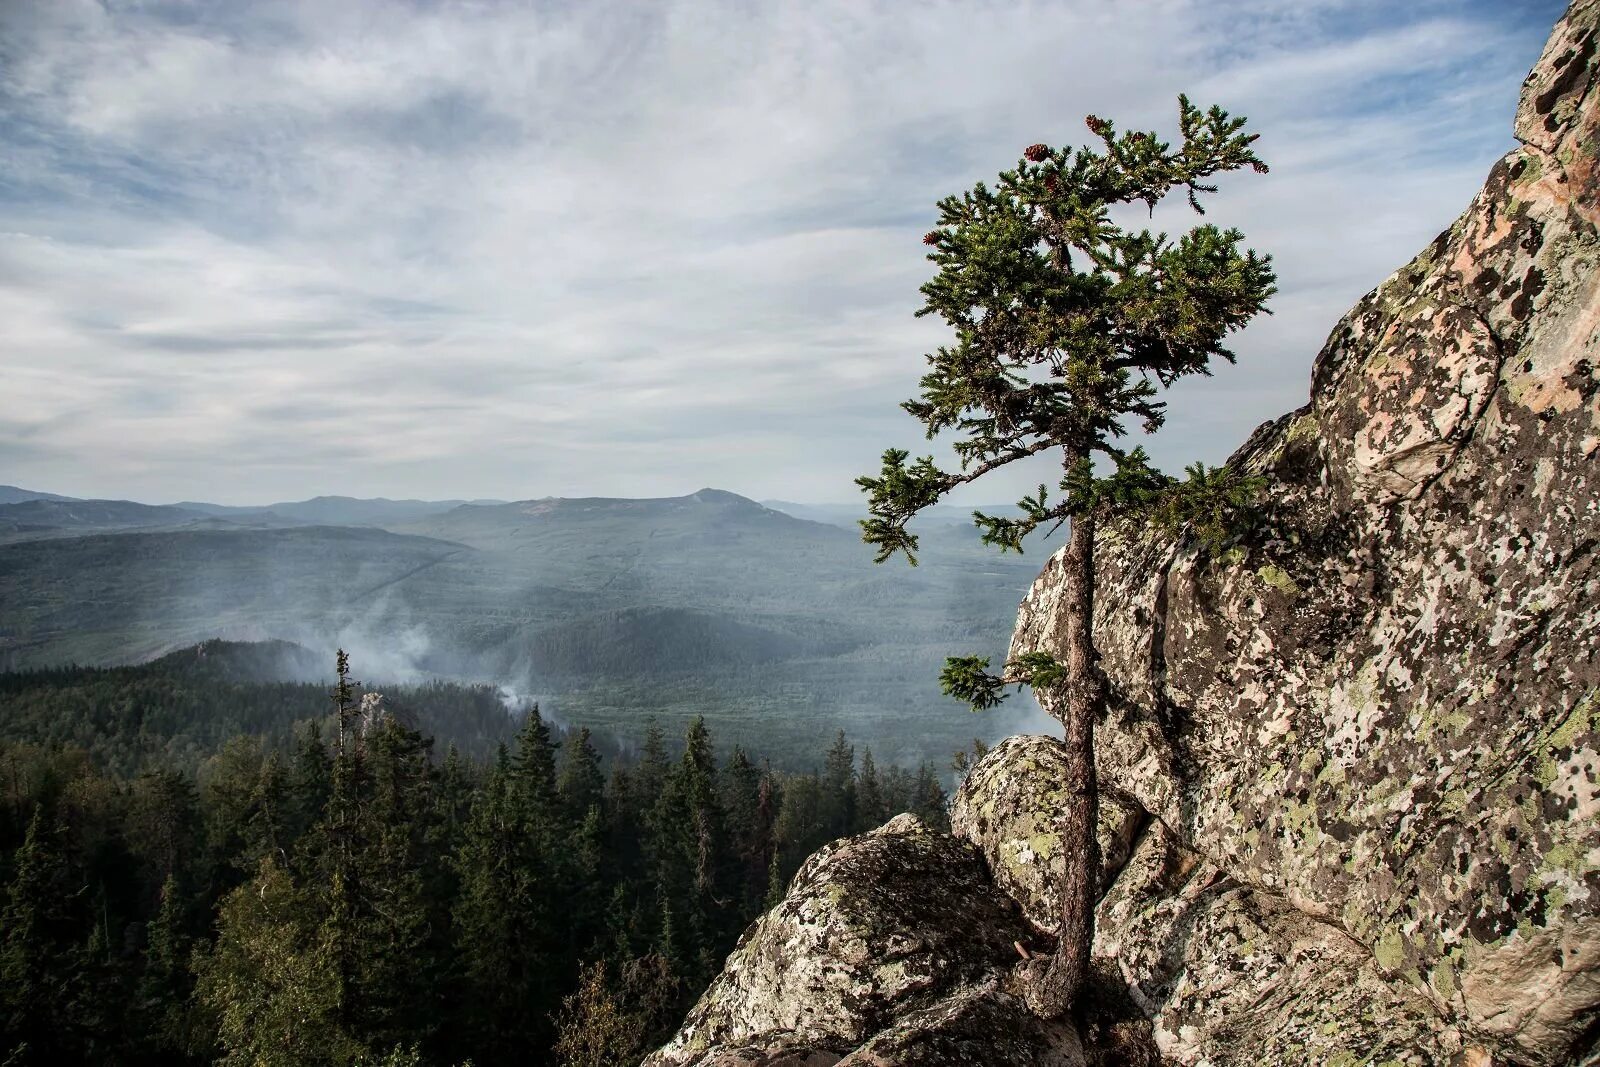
[777,628]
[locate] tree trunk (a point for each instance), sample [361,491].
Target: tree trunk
[1079,703]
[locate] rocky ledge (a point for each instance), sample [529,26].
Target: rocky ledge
[1352,767]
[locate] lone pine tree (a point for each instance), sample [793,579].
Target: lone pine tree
[1067,327]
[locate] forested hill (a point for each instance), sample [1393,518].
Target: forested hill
[344,889]
[775,628]
[176,712]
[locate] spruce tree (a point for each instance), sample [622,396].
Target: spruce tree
[692,855]
[500,918]
[164,987]
[871,811]
[1067,325]
[310,780]
[839,787]
[580,784]
[749,819]
[40,967]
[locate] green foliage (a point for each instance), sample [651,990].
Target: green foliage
[968,679]
[594,1030]
[1214,504]
[1067,325]
[350,899]
[272,981]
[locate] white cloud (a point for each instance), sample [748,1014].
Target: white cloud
[262,251]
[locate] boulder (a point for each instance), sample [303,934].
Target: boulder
[981,1025]
[1008,807]
[874,929]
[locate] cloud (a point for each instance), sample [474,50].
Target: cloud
[250,252]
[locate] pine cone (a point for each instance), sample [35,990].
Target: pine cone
[1036,153]
[1096,124]
[931,237]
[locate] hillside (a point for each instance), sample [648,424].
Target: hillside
[178,711]
[774,627]
[11,494]
[39,515]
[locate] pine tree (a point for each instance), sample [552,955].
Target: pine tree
[871,811]
[691,855]
[163,824]
[454,793]
[271,812]
[392,960]
[777,887]
[533,780]
[228,784]
[896,790]
[749,827]
[650,775]
[580,784]
[501,918]
[40,968]
[165,985]
[839,788]
[310,781]
[1067,326]
[801,827]
[928,799]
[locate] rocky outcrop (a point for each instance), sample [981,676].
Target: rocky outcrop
[885,942]
[1232,974]
[1008,807]
[1382,710]
[1355,758]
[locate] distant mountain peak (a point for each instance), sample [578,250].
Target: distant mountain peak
[11,494]
[723,496]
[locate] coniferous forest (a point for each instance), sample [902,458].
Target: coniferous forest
[343,893]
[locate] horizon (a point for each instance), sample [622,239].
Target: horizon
[768,502]
[257,254]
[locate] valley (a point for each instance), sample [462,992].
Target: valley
[777,629]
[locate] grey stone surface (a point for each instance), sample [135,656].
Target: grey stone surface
[1008,806]
[1383,708]
[873,928]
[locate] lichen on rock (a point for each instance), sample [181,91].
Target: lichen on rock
[1377,710]
[873,929]
[1008,807]
[1356,754]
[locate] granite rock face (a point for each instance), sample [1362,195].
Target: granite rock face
[1008,807]
[1383,708]
[1352,762]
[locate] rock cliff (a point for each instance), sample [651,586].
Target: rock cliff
[1353,762]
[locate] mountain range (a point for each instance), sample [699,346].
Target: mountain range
[609,610]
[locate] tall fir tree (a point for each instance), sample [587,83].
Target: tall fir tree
[871,809]
[41,960]
[839,787]
[501,918]
[581,784]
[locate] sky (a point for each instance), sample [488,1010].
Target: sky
[263,251]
